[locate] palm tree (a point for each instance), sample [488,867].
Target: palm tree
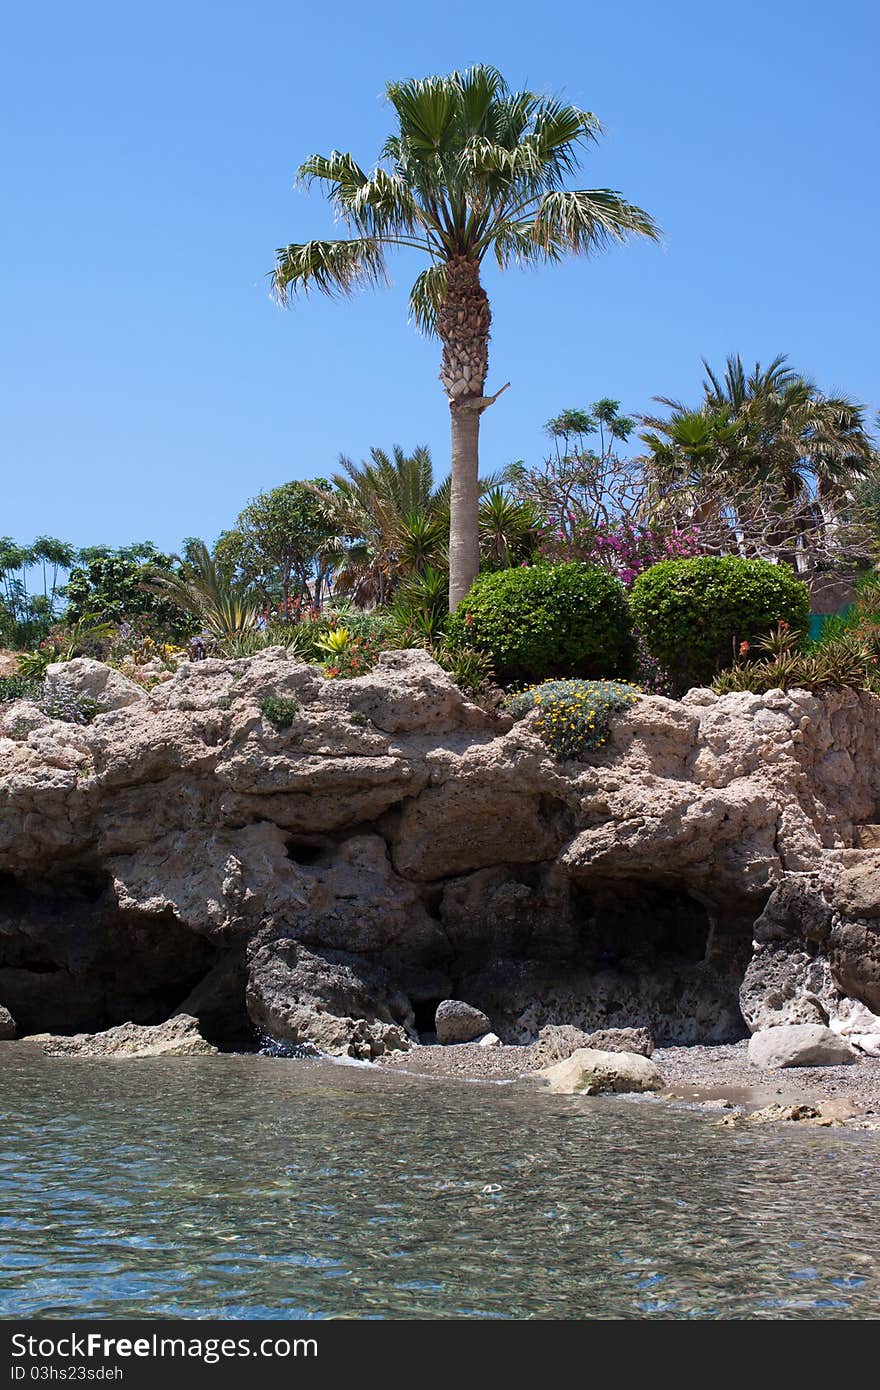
[766,451]
[386,514]
[508,528]
[208,591]
[472,168]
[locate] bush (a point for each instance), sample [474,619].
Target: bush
[573,716]
[69,706]
[19,688]
[695,615]
[548,620]
[279,711]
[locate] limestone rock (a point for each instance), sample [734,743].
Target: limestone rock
[785,985]
[396,845]
[457,1022]
[558,1041]
[83,676]
[590,1071]
[179,1037]
[798,1045]
[332,999]
[8,1028]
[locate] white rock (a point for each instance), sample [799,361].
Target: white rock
[83,676]
[489,1040]
[798,1045]
[590,1071]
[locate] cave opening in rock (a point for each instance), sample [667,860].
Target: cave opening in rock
[424,1011]
[72,961]
[306,850]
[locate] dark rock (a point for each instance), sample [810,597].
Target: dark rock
[8,1029]
[457,1022]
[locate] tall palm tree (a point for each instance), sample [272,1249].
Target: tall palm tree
[472,168]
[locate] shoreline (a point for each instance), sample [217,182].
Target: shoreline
[714,1076]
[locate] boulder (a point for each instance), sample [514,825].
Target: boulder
[798,1045]
[178,1037]
[590,1071]
[457,1022]
[83,676]
[855,960]
[334,1000]
[558,1041]
[8,1029]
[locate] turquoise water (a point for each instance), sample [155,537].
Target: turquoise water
[265,1187]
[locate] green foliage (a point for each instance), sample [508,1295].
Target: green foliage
[279,710]
[19,687]
[573,716]
[278,545]
[208,592]
[69,706]
[110,586]
[693,614]
[548,620]
[471,670]
[848,661]
[421,605]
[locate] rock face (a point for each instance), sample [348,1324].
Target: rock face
[179,1037]
[457,1022]
[558,1041]
[333,881]
[7,1025]
[590,1071]
[799,1045]
[109,687]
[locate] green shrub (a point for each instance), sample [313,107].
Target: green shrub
[547,620]
[279,711]
[19,688]
[696,615]
[573,716]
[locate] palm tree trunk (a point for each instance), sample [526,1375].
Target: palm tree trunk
[463,325]
[464,534]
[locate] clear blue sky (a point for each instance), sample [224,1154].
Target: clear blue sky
[150,386]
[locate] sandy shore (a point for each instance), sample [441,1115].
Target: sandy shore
[717,1072]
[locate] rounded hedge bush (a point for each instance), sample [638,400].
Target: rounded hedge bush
[694,614]
[547,620]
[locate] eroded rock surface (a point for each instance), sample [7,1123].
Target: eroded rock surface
[590,1071]
[395,846]
[178,1037]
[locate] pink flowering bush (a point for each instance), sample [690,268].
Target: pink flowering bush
[625,549]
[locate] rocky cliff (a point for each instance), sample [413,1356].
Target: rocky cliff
[394,845]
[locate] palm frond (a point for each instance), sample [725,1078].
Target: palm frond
[331,267]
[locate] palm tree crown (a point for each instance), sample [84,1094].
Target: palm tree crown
[473,168]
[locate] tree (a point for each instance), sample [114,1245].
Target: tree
[579,487]
[387,516]
[278,544]
[473,168]
[109,585]
[765,465]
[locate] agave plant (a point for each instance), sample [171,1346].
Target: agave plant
[209,592]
